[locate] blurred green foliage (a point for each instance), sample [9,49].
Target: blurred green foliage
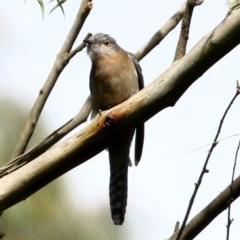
[48,214]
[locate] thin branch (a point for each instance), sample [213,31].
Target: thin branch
[50,140]
[60,63]
[204,169]
[161,93]
[78,48]
[185,28]
[161,33]
[210,212]
[229,220]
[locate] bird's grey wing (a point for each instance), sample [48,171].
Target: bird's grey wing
[139,137]
[138,69]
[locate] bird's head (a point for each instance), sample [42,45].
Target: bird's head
[100,44]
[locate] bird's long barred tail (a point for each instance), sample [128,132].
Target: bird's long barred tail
[118,191]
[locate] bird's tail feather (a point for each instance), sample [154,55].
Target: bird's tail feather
[118,191]
[119,162]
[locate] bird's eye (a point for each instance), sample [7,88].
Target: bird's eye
[106,42]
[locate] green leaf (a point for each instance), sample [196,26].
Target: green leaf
[59,4]
[42,7]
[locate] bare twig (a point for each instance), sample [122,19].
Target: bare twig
[204,169]
[60,63]
[209,213]
[229,220]
[160,34]
[184,33]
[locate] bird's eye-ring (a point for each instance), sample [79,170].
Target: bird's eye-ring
[106,42]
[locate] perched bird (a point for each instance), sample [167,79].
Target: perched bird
[115,76]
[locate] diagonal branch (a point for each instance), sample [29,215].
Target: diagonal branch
[161,33]
[50,140]
[204,169]
[210,212]
[229,219]
[185,28]
[95,137]
[60,63]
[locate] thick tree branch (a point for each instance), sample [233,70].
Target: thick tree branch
[161,93]
[60,63]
